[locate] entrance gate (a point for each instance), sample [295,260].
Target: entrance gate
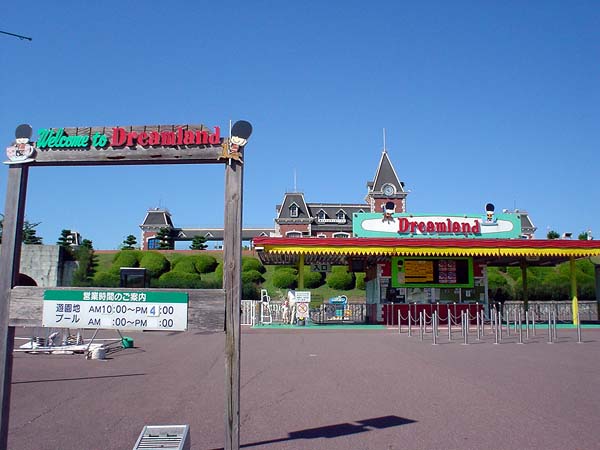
[97,146]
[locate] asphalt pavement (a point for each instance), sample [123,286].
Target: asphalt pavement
[317,388]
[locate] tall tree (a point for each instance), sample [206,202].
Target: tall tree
[552,235]
[129,243]
[86,264]
[198,243]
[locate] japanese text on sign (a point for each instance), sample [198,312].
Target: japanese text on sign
[115,309]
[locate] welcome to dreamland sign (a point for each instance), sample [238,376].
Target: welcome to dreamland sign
[127,145]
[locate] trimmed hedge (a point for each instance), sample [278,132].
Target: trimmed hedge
[249,263]
[341,280]
[181,280]
[187,264]
[205,263]
[126,258]
[250,291]
[155,263]
[252,276]
[313,280]
[106,279]
[285,279]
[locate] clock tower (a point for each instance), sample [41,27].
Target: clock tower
[386,189]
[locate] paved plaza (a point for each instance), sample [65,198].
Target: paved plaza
[317,388]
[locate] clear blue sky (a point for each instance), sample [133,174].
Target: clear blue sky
[483,101]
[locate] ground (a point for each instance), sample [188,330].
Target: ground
[317,388]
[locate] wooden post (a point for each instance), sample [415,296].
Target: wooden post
[232,284]
[14,212]
[574,301]
[301,271]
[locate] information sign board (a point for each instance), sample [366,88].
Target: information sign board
[122,310]
[432,272]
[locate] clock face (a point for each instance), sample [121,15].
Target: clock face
[388,189]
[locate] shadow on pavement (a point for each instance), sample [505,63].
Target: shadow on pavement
[81,378]
[337,430]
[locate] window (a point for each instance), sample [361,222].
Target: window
[341,215]
[152,243]
[341,235]
[321,235]
[321,215]
[294,210]
[293,234]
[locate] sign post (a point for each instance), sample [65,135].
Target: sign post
[156,144]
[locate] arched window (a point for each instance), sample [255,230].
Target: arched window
[293,234]
[293,210]
[341,235]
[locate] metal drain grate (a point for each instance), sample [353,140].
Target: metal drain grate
[160,437]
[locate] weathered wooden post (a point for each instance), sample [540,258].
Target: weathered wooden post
[14,212]
[232,282]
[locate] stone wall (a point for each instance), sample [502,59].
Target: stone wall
[46,265]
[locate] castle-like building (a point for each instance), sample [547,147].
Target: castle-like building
[297,218]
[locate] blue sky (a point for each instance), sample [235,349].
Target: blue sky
[482,101]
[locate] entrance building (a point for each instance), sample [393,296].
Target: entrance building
[426,271]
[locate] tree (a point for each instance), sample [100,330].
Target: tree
[165,239]
[29,233]
[129,243]
[87,262]
[198,243]
[552,235]
[64,240]
[585,236]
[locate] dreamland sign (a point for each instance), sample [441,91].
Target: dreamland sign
[406,225]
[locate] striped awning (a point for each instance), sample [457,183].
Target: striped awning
[506,251]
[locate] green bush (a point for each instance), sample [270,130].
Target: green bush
[205,263]
[211,284]
[181,280]
[252,276]
[360,281]
[285,279]
[313,280]
[341,280]
[185,264]
[126,258]
[249,263]
[293,269]
[250,291]
[106,279]
[155,264]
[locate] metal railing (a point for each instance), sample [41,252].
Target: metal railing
[523,325]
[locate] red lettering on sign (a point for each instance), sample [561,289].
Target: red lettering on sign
[118,138]
[143,139]
[215,138]
[130,137]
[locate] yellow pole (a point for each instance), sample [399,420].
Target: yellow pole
[301,271]
[574,302]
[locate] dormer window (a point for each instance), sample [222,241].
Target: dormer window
[340,215]
[321,215]
[294,210]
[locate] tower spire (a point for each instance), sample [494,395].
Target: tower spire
[384,149]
